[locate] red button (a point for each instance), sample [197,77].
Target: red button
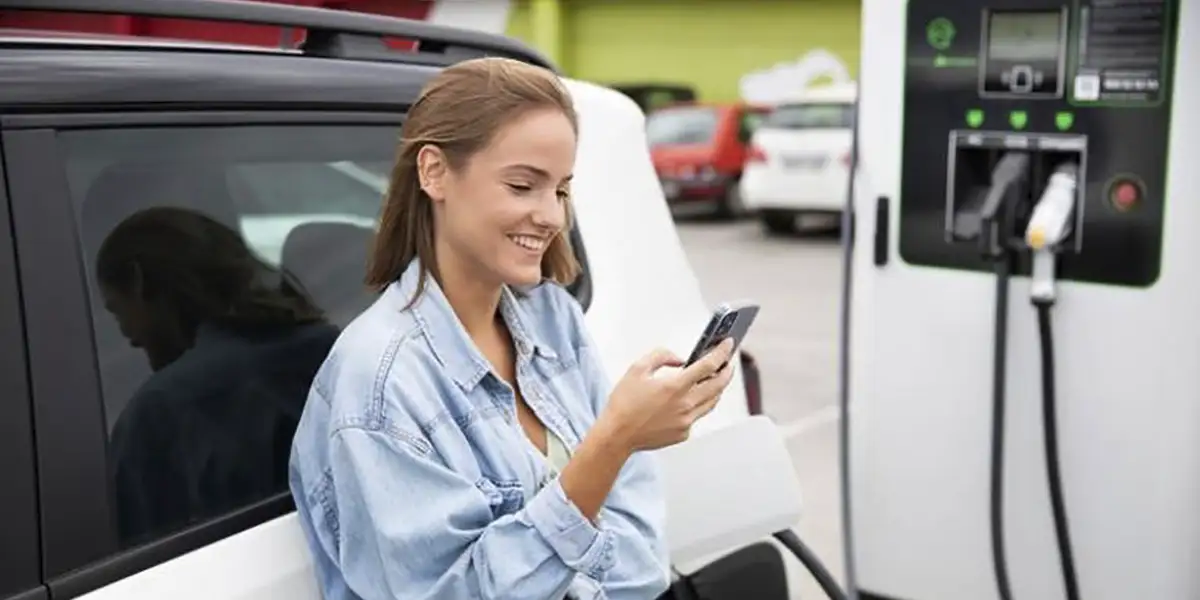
[1125,195]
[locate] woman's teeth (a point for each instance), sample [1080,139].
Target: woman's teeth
[528,242]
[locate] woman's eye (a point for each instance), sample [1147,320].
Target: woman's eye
[519,188]
[563,195]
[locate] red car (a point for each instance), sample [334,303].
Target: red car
[699,149]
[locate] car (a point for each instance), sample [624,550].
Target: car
[698,151]
[799,158]
[288,148]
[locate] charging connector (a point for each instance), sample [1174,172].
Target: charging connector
[1049,226]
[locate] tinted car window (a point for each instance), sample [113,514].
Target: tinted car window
[684,125]
[222,262]
[811,116]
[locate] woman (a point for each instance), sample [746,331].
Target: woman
[233,348]
[461,440]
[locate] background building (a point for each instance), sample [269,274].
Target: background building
[709,45]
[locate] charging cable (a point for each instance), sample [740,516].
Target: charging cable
[1009,183]
[1048,227]
[824,578]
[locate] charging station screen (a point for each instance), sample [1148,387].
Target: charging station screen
[1024,52]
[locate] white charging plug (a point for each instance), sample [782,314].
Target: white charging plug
[1048,226]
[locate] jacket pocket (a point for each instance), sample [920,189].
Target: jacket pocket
[504,497]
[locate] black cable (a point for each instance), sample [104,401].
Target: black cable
[999,375]
[1053,472]
[792,542]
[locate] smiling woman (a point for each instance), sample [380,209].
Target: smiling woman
[464,421]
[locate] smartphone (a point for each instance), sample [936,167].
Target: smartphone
[730,320]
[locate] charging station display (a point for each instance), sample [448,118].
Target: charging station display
[1024,53]
[981,81]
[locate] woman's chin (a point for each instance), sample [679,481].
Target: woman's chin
[518,276]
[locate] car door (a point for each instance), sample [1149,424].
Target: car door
[148,481]
[20,569]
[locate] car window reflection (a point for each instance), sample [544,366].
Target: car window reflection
[233,344]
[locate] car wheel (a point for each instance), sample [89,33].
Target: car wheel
[779,222]
[730,205]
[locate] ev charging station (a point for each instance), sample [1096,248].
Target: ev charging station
[1023,356]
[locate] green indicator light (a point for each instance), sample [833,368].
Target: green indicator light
[940,33]
[1018,119]
[1064,120]
[974,118]
[940,61]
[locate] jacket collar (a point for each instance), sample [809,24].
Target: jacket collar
[451,345]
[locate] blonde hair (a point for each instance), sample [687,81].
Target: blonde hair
[459,111]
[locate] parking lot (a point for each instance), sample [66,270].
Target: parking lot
[797,281]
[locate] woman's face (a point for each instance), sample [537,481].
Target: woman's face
[137,319]
[130,312]
[500,210]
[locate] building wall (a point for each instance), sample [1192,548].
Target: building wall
[709,44]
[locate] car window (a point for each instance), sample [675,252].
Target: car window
[834,115]
[681,125]
[282,195]
[222,262]
[305,190]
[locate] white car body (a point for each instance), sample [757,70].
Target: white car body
[799,156]
[645,296]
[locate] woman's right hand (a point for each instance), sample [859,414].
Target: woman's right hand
[649,409]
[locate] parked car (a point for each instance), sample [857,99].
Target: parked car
[799,158]
[699,150]
[288,149]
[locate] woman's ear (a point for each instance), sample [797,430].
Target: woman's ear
[432,169]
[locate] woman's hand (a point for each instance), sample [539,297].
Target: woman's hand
[647,409]
[650,409]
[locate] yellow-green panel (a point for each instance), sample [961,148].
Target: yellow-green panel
[708,44]
[520,22]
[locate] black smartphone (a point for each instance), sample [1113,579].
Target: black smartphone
[731,320]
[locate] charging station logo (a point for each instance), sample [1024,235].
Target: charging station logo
[940,33]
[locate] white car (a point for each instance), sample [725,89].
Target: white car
[799,158]
[288,148]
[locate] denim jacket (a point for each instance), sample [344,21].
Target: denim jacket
[414,480]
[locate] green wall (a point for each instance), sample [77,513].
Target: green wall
[708,44]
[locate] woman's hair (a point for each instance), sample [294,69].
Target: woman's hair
[459,111]
[200,270]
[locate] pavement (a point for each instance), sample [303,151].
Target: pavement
[797,282]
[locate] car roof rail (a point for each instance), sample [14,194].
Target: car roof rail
[330,33]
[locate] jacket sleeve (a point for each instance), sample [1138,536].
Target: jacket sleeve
[635,511]
[411,528]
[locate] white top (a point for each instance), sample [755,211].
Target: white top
[557,453]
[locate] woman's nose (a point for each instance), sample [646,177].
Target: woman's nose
[551,213]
